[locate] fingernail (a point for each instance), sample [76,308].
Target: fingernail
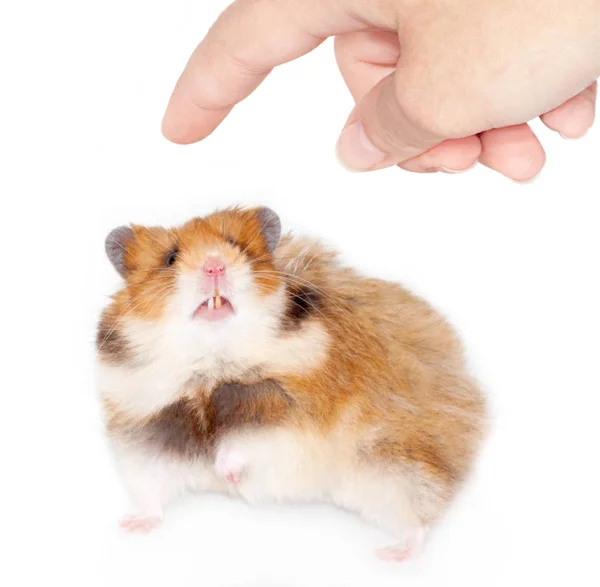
[574,138]
[355,151]
[527,181]
[455,171]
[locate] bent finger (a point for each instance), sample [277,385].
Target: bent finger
[575,117]
[513,151]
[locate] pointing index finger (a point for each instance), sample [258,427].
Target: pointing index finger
[246,42]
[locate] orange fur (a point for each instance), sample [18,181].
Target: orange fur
[150,282]
[395,366]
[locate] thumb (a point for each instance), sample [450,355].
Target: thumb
[383,130]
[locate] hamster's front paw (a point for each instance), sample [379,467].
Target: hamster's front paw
[140,523]
[409,548]
[230,464]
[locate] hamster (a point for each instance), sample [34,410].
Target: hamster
[233,360]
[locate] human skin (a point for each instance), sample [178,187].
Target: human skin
[439,85]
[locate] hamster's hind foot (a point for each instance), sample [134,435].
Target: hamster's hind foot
[408,549]
[143,524]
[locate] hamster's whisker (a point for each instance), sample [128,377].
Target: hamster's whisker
[131,303]
[130,306]
[155,296]
[271,289]
[162,288]
[342,326]
[294,279]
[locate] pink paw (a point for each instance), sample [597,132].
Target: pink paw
[233,477]
[142,524]
[408,549]
[398,554]
[229,464]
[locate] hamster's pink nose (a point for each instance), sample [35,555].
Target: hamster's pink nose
[214,267]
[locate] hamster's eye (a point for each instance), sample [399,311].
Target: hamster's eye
[233,242]
[172,258]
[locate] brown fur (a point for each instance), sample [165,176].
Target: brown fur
[110,343]
[235,405]
[190,427]
[304,301]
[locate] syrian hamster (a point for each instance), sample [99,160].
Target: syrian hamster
[233,360]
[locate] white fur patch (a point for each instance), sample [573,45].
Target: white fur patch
[153,482]
[283,464]
[174,351]
[275,465]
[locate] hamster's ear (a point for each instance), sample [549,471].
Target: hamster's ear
[270,226]
[116,247]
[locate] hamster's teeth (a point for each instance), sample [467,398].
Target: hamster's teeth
[217,298]
[211,303]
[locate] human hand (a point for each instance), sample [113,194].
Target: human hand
[439,84]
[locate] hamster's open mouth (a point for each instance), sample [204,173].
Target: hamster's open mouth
[216,307]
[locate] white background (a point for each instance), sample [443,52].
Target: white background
[514,267]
